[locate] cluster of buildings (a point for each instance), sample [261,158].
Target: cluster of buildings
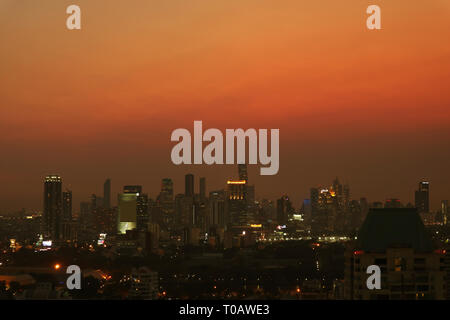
[221,218]
[231,217]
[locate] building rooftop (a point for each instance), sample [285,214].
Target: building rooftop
[393,228]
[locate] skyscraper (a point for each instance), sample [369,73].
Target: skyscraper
[237,203]
[242,169]
[142,212]
[52,207]
[107,194]
[284,209]
[67,205]
[189,185]
[422,197]
[133,209]
[217,207]
[166,190]
[128,205]
[202,189]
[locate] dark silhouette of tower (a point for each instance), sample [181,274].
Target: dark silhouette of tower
[422,197]
[202,189]
[242,169]
[189,185]
[67,205]
[107,194]
[52,207]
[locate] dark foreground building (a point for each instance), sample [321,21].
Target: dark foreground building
[396,241]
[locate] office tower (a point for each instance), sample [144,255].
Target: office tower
[284,210]
[166,190]
[217,207]
[201,216]
[67,227]
[85,210]
[96,202]
[104,221]
[202,189]
[52,207]
[142,212]
[306,210]
[326,207]
[422,197]
[445,211]
[107,194]
[163,211]
[242,170]
[237,203]
[189,185]
[316,216]
[128,208]
[67,205]
[184,211]
[411,267]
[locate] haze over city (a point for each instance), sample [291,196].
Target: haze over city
[371,108]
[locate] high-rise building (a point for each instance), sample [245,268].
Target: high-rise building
[412,268]
[142,212]
[129,202]
[202,189]
[217,207]
[242,170]
[107,194]
[67,205]
[189,185]
[67,226]
[165,204]
[184,211]
[284,210]
[422,197]
[166,190]
[237,203]
[52,214]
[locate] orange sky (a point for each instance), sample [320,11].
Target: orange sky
[372,107]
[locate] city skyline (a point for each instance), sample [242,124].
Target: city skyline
[179,188]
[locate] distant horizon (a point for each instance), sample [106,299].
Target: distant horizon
[295,199]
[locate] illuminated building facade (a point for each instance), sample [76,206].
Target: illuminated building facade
[132,209]
[237,203]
